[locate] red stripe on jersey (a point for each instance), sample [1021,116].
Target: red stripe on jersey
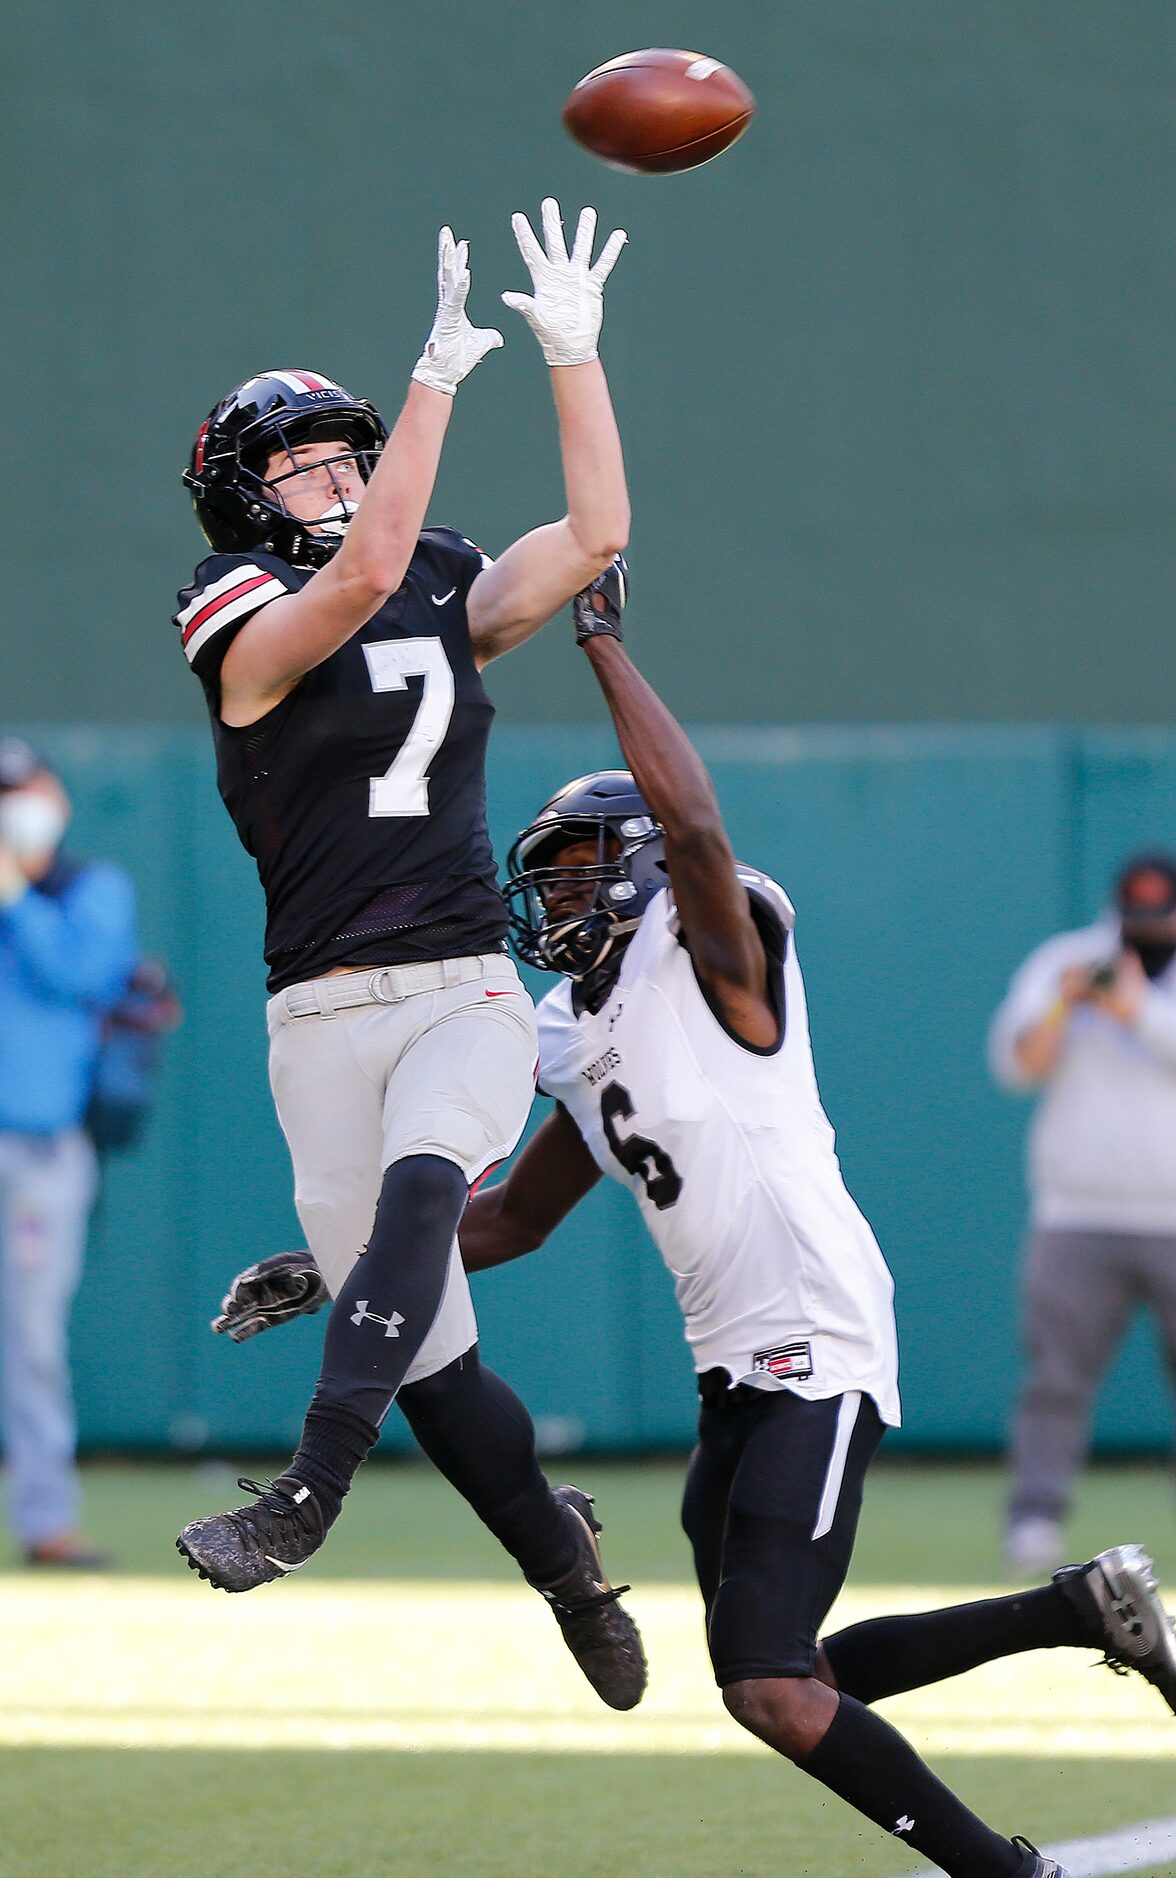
[482,1178]
[222,599]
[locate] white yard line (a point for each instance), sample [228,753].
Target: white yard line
[1133,1848]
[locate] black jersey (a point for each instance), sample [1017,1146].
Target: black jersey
[362,795]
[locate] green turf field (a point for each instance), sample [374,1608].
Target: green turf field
[405,1707]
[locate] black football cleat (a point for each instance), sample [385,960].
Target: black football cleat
[1042,1867]
[268,1539]
[603,1638]
[1118,1600]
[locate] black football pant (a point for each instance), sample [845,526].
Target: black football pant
[771,1506]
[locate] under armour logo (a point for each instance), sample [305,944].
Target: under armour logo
[614,1016]
[391,1324]
[904,1825]
[1128,1616]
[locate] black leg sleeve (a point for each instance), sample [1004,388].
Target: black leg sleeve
[477,1433]
[870,1765]
[379,1321]
[886,1655]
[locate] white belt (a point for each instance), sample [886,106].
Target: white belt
[322,997]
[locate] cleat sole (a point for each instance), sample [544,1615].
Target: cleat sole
[194,1565]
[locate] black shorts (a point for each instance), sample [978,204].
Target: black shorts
[771,1505]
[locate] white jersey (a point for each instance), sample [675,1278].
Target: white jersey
[731,1159]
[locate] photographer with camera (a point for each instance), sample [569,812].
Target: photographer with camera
[1090,1017]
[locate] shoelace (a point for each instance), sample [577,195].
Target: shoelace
[580,1605]
[273,1499]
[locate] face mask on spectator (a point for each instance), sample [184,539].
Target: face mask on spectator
[31,823]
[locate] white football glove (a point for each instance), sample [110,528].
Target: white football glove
[568,303]
[454,347]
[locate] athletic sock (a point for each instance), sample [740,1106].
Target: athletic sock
[379,1321]
[477,1433]
[334,1442]
[889,1654]
[867,1762]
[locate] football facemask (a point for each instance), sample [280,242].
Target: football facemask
[576,919]
[274,413]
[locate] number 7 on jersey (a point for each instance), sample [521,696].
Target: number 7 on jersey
[403,789]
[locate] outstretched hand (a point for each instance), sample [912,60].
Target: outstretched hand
[597,610]
[453,347]
[566,308]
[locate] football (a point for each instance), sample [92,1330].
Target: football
[659,110]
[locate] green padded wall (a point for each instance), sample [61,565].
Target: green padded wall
[923,863]
[894,374]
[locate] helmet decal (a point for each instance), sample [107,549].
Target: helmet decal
[297,382]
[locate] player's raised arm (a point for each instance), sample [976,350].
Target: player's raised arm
[384,517]
[553,1172]
[540,573]
[713,905]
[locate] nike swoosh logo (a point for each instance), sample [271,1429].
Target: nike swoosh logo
[500,994]
[439,599]
[282,1564]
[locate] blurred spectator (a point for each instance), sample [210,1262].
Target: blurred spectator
[122,1089]
[67,946]
[1090,1017]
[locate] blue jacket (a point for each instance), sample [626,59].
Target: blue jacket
[66,949]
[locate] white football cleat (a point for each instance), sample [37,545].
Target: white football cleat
[1118,1598]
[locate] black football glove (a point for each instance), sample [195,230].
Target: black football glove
[271,1292]
[597,611]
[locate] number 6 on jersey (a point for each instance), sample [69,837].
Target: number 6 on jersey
[404,787]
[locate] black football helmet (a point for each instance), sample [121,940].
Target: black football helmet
[622,882]
[236,509]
